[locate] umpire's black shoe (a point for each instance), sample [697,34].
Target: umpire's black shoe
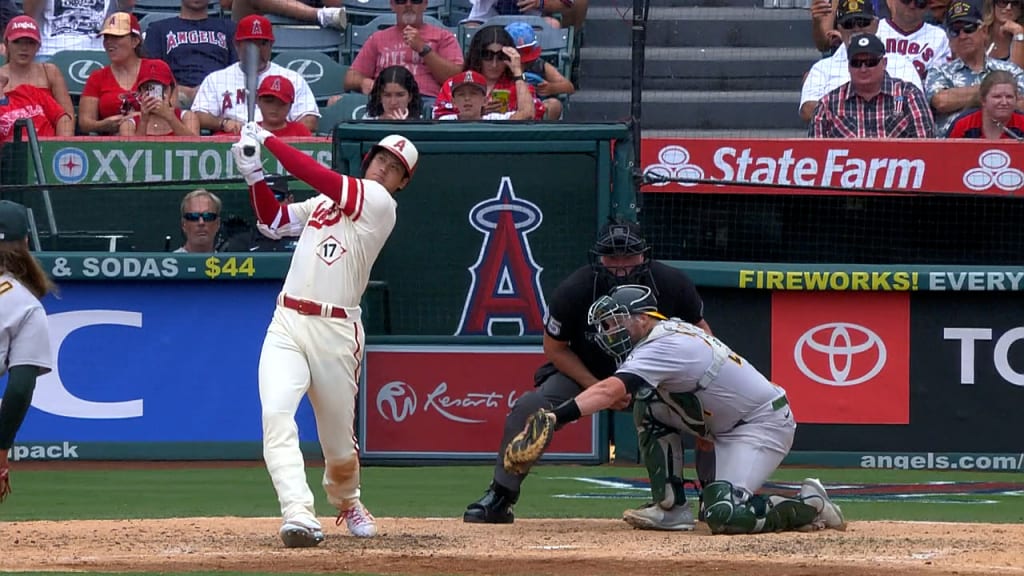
[494,508]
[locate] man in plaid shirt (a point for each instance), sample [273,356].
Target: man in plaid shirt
[872,104]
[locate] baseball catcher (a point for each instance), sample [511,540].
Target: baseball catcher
[690,382]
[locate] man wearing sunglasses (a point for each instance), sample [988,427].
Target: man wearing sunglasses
[872,104]
[953,87]
[200,221]
[852,17]
[431,53]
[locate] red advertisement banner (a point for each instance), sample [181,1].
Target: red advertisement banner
[451,402]
[960,166]
[843,358]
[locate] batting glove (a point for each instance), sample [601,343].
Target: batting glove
[256,132]
[250,166]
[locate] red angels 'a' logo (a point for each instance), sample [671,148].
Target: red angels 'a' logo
[276,85]
[257,29]
[400,145]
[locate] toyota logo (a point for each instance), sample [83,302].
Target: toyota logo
[311,70]
[396,401]
[840,354]
[79,70]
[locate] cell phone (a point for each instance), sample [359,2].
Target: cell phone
[156,91]
[533,78]
[503,97]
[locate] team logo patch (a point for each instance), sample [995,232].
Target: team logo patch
[70,165]
[505,287]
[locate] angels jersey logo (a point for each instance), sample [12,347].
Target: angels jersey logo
[506,279]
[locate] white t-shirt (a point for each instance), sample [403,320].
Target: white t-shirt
[926,47]
[831,73]
[24,331]
[222,94]
[72,25]
[337,248]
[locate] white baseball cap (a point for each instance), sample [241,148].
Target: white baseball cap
[398,145]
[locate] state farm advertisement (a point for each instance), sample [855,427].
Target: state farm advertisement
[450,402]
[843,358]
[805,166]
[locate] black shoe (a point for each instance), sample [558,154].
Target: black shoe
[495,507]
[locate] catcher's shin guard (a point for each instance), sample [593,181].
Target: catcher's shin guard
[731,511]
[661,449]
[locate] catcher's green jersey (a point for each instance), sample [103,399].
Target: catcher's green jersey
[679,359]
[24,332]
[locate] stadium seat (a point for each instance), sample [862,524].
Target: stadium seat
[148,19]
[328,41]
[352,106]
[143,7]
[361,12]
[358,34]
[458,10]
[325,76]
[77,65]
[428,107]
[556,44]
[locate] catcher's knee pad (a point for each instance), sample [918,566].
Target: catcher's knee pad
[661,449]
[732,511]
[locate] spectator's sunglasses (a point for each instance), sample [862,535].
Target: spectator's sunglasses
[955,31]
[856,23]
[403,2]
[1005,3]
[866,62]
[493,55]
[916,3]
[196,216]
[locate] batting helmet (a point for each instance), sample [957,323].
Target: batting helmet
[609,314]
[621,238]
[400,146]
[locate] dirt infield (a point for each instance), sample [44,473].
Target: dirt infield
[537,547]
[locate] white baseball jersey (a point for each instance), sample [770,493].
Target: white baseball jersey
[678,357]
[222,94]
[831,73]
[336,247]
[24,332]
[927,46]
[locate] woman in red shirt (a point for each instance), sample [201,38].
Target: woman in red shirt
[274,97]
[997,119]
[22,41]
[109,98]
[36,104]
[486,56]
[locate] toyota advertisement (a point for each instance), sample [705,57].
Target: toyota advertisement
[450,403]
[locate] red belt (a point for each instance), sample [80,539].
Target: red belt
[307,308]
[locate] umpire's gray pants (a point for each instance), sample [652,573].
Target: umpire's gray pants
[554,390]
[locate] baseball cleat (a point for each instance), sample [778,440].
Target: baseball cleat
[829,514]
[654,517]
[359,521]
[495,507]
[295,535]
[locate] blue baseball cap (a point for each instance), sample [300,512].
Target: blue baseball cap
[525,40]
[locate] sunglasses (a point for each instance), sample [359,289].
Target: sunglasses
[196,216]
[404,2]
[955,31]
[868,62]
[856,23]
[493,55]
[1005,3]
[915,3]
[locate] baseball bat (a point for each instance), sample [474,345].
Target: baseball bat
[250,68]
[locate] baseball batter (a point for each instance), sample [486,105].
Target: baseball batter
[24,334]
[687,380]
[314,344]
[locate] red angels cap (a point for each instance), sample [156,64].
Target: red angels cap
[22,27]
[278,87]
[121,24]
[468,77]
[254,27]
[152,70]
[401,147]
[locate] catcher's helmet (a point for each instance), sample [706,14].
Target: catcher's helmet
[398,145]
[609,315]
[621,238]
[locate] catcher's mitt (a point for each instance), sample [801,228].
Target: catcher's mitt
[528,446]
